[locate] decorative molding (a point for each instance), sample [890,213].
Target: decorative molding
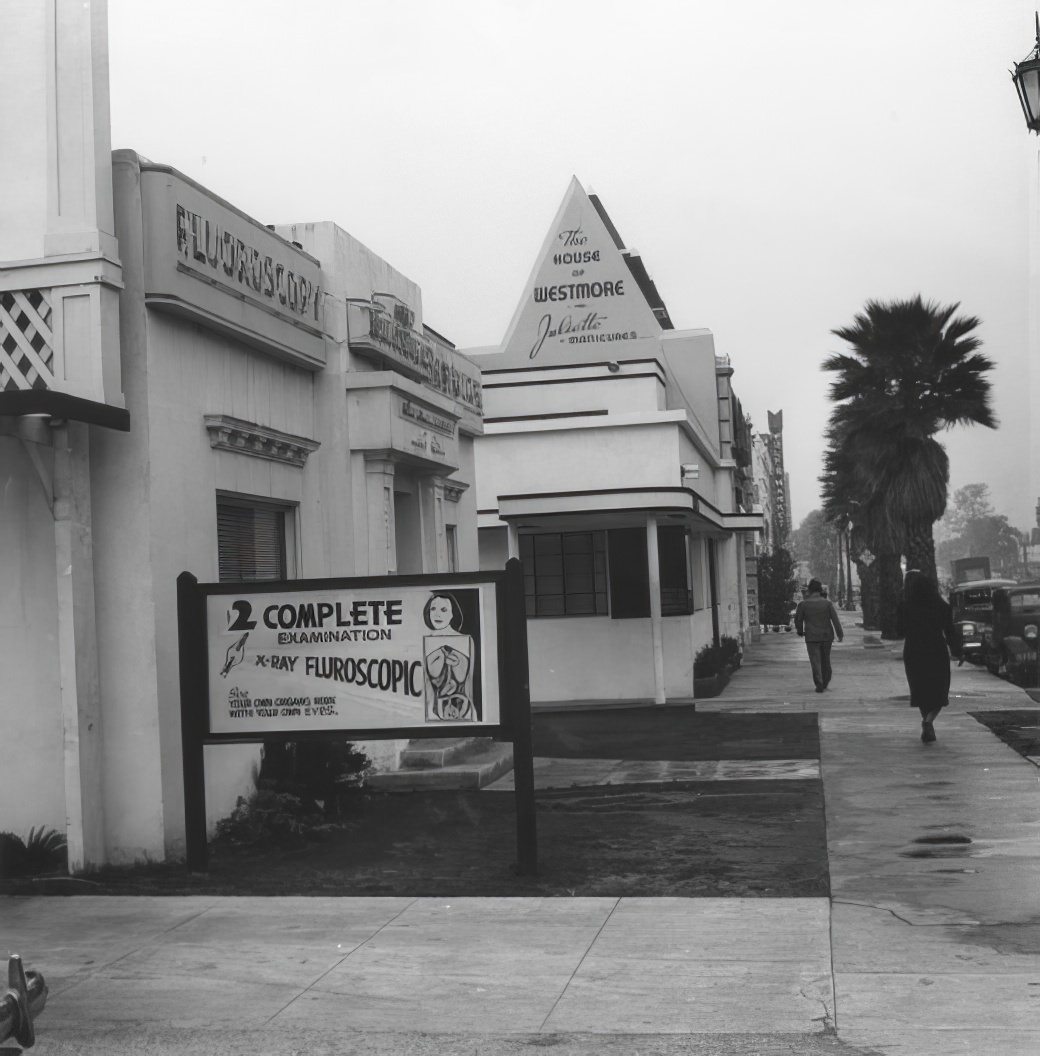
[248,438]
[453,489]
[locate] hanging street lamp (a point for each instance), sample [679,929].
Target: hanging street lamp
[1026,76]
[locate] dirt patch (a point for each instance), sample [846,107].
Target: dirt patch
[696,838]
[1019,729]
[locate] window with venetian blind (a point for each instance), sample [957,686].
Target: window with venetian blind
[251,540]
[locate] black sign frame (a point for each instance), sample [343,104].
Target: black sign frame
[513,690]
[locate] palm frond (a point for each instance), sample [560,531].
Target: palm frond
[912,368]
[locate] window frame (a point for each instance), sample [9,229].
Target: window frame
[594,560]
[451,545]
[288,532]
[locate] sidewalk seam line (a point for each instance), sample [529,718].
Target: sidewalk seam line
[577,967]
[830,888]
[310,986]
[142,945]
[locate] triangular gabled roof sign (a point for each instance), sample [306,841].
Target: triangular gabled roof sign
[581,304]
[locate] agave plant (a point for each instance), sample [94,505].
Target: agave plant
[42,851]
[46,851]
[12,855]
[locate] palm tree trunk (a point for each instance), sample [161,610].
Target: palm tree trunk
[841,569]
[890,589]
[920,548]
[848,569]
[868,594]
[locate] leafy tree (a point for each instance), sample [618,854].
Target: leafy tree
[970,503]
[815,541]
[776,586]
[913,370]
[971,528]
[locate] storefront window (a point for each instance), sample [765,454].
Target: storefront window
[251,540]
[630,578]
[574,573]
[676,595]
[451,539]
[629,574]
[565,573]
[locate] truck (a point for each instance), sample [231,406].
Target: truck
[972,605]
[966,569]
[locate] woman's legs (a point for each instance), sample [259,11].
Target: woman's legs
[929,713]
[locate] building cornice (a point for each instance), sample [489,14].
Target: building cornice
[260,441]
[672,418]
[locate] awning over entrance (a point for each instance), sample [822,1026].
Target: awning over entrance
[562,509]
[48,402]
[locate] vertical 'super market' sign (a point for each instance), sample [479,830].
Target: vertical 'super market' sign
[376,657]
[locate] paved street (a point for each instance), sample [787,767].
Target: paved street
[928,945]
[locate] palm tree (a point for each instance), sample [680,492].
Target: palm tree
[913,370]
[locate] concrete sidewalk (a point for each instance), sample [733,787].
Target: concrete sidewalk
[929,944]
[934,851]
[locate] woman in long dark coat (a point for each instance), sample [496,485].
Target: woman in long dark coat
[925,622]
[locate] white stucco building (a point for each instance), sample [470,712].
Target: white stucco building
[182,388]
[607,465]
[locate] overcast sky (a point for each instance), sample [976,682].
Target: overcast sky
[776,165]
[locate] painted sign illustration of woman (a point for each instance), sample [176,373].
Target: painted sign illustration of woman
[447,662]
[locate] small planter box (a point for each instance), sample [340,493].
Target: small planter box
[711,686]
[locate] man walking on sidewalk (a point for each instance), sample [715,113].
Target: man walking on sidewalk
[817,621]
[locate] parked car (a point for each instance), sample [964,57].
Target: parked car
[972,605]
[1011,650]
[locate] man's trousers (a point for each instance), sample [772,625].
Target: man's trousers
[820,659]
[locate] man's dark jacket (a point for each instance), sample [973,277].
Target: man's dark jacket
[817,619]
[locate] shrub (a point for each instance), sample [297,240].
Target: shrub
[708,661]
[267,816]
[322,774]
[713,659]
[731,651]
[42,852]
[303,790]
[12,855]
[776,586]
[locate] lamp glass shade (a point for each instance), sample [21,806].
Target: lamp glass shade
[1027,81]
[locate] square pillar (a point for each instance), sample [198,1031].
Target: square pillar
[656,627]
[382,530]
[78,648]
[435,538]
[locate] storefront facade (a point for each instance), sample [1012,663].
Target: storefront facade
[272,414]
[607,466]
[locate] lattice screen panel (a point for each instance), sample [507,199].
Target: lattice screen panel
[26,341]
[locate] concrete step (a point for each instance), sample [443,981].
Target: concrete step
[489,761]
[441,751]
